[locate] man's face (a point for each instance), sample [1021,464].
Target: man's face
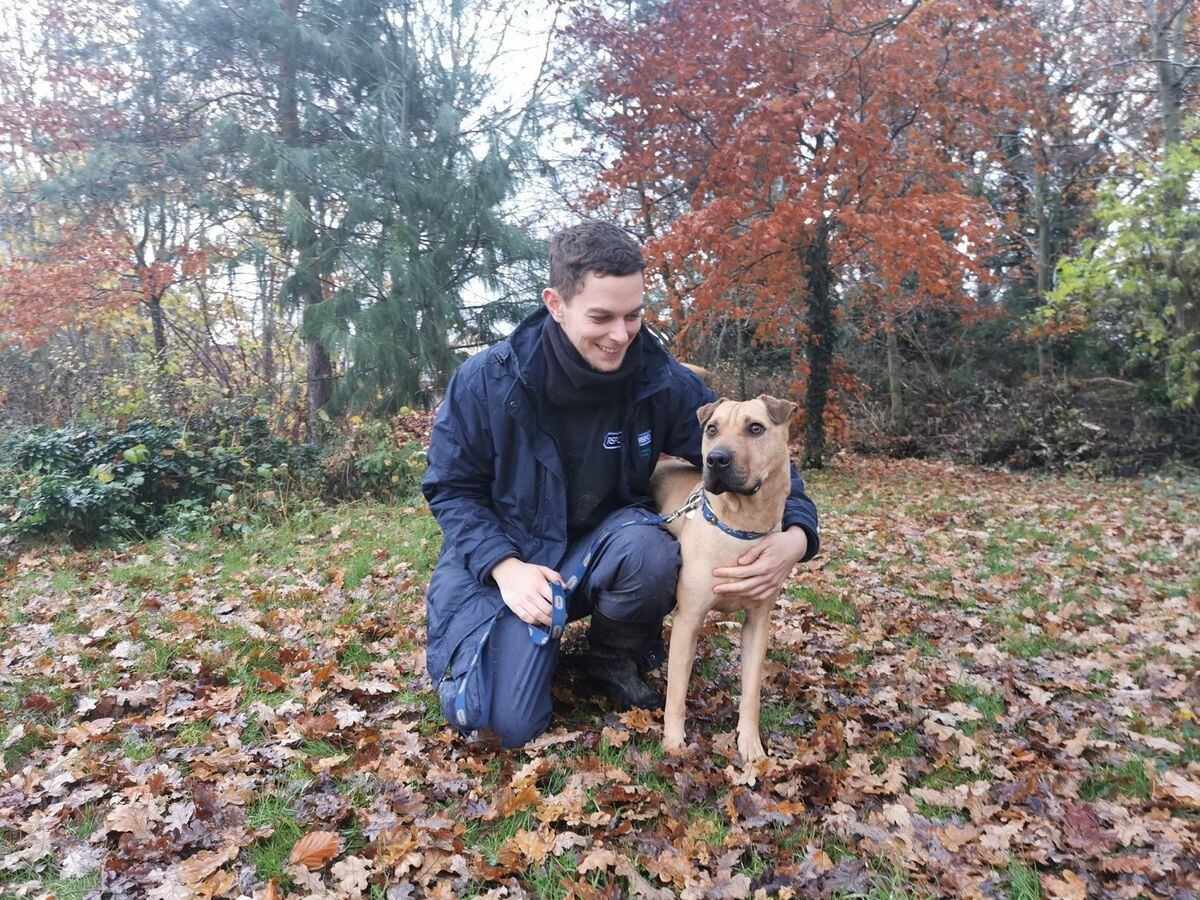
[602,318]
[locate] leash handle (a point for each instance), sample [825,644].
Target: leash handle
[559,592]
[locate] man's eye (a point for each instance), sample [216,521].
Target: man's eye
[756,428]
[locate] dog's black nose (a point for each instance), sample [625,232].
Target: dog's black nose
[719,459]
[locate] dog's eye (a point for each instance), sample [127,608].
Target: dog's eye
[710,430]
[756,428]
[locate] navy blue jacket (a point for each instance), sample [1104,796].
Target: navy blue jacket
[496,485]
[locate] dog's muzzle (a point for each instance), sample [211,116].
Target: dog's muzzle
[721,475]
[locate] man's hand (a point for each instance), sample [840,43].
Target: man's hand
[525,588]
[763,568]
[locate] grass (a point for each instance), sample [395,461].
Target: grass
[783,716]
[136,749]
[548,881]
[1022,881]
[193,734]
[711,827]
[888,882]
[318,749]
[990,706]
[492,838]
[19,750]
[269,855]
[902,746]
[1129,779]
[1034,646]
[355,656]
[61,888]
[752,865]
[358,567]
[832,607]
[932,811]
[948,776]
[89,819]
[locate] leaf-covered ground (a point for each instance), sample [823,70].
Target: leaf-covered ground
[985,685]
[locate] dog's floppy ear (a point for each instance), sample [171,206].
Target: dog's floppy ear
[779,410]
[705,412]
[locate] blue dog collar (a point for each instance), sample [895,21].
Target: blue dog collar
[711,518]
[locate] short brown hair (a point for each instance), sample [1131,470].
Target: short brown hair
[591,247]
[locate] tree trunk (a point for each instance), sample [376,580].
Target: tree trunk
[1166,36]
[741,359]
[164,387]
[320,387]
[154,304]
[266,292]
[1043,258]
[819,346]
[893,370]
[308,274]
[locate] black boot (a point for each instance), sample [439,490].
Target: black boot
[615,651]
[656,652]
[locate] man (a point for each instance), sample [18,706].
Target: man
[543,443]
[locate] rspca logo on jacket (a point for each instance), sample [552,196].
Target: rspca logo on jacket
[614,440]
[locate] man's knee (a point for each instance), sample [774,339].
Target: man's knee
[521,672]
[516,728]
[645,571]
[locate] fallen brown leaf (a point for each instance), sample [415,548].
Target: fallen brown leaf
[314,850]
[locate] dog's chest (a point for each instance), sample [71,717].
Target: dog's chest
[703,551]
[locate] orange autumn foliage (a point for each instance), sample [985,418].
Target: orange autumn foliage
[742,127]
[84,271]
[41,293]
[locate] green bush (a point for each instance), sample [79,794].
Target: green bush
[378,459]
[88,483]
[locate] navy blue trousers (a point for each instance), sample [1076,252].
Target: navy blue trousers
[632,579]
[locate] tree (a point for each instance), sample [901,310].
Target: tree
[814,144]
[103,163]
[352,155]
[1042,183]
[1139,279]
[392,162]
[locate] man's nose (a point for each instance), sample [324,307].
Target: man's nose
[718,459]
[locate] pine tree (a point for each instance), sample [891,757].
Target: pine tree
[392,171]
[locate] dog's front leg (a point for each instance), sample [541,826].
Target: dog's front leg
[755,635]
[685,629]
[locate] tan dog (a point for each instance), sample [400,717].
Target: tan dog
[746,481]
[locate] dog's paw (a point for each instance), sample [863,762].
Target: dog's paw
[674,745]
[750,749]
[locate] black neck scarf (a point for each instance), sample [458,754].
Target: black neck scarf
[571,381]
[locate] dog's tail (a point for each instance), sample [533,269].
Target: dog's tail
[699,371]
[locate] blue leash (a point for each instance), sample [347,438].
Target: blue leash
[558,609]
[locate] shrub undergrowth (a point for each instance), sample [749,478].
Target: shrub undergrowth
[88,483]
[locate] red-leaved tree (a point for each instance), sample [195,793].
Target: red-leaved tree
[780,150]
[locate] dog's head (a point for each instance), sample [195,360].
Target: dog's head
[744,442]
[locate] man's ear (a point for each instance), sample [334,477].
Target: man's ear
[705,412]
[779,410]
[555,303]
